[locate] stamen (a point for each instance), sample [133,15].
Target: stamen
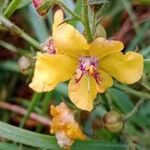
[91,69]
[87,65]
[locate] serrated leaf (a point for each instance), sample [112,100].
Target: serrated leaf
[97,2]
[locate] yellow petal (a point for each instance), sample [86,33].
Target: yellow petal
[69,41]
[74,132]
[83,93]
[105,81]
[101,47]
[39,86]
[126,68]
[50,70]
[58,19]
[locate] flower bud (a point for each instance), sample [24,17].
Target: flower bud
[113,121]
[24,63]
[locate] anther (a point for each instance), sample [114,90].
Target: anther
[91,69]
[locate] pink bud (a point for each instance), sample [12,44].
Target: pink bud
[37,3]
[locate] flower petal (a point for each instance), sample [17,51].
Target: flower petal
[106,81]
[58,19]
[101,47]
[126,68]
[50,70]
[83,93]
[69,41]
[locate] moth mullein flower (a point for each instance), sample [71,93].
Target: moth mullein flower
[64,126]
[90,66]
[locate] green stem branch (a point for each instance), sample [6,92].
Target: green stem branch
[135,109]
[132,91]
[16,30]
[74,15]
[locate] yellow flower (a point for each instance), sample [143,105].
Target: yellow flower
[89,66]
[64,126]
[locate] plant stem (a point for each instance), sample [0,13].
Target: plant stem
[15,29]
[74,15]
[8,46]
[128,7]
[135,109]
[86,21]
[14,49]
[132,91]
[20,110]
[35,99]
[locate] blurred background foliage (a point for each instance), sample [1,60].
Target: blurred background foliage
[125,20]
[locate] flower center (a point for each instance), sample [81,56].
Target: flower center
[87,65]
[49,46]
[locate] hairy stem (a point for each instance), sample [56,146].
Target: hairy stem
[86,21]
[16,30]
[74,15]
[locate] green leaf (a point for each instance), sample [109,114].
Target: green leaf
[27,137]
[35,99]
[9,65]
[140,36]
[23,3]
[14,5]
[7,146]
[49,142]
[11,8]
[97,145]
[147,65]
[121,100]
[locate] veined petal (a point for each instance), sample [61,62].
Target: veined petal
[101,47]
[83,93]
[105,81]
[50,70]
[69,41]
[126,68]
